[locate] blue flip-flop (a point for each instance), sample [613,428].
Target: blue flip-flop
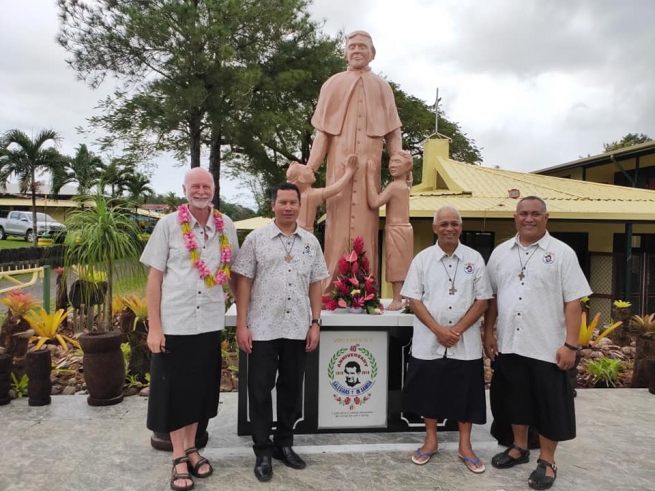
[421,455]
[474,462]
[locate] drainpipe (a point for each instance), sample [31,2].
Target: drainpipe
[628,239]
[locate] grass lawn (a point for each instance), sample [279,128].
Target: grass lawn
[13,243]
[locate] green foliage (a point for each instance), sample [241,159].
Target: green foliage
[26,158]
[103,238]
[627,141]
[187,71]
[605,370]
[19,385]
[84,169]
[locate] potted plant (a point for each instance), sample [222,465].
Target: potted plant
[45,327]
[18,304]
[622,311]
[605,371]
[355,289]
[645,351]
[100,237]
[136,333]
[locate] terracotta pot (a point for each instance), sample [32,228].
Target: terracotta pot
[644,354]
[5,378]
[651,377]
[103,367]
[39,386]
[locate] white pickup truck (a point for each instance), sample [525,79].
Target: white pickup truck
[19,223]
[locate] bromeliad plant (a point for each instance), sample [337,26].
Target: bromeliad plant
[19,303]
[46,325]
[355,287]
[646,324]
[587,330]
[140,309]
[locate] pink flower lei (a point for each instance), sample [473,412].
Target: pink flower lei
[223,272]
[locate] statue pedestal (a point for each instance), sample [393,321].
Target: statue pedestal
[353,381]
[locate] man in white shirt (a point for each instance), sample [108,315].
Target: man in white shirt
[189,255]
[538,285]
[280,269]
[448,290]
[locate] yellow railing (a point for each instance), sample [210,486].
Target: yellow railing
[9,276]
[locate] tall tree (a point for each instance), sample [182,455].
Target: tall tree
[627,141]
[187,68]
[84,169]
[25,158]
[117,175]
[139,189]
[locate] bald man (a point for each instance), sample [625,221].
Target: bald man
[189,262]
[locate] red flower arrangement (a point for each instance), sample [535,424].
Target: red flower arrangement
[355,287]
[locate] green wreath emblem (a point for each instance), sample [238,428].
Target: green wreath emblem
[374,364]
[333,360]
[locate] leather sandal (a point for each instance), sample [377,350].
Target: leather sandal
[194,469]
[175,476]
[539,479]
[504,460]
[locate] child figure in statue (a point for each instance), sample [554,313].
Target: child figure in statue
[311,198]
[398,232]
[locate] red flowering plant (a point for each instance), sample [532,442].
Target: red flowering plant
[354,286]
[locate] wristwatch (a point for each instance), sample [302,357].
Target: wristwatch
[316,321]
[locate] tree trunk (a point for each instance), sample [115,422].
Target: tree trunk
[215,165]
[35,224]
[194,139]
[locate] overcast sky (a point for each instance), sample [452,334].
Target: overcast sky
[535,83]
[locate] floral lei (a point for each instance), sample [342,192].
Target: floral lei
[223,272]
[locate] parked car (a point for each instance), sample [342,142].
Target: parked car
[19,223]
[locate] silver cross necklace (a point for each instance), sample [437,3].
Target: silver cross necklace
[523,266]
[288,257]
[452,290]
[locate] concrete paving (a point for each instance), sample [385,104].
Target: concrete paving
[69,445]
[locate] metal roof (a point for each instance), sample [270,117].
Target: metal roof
[482,192]
[252,223]
[602,158]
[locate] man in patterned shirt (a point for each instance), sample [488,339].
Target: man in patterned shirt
[280,269]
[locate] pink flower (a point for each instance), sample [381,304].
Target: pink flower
[358,245]
[365,265]
[355,268]
[358,302]
[220,277]
[331,305]
[342,303]
[354,281]
[344,267]
[352,257]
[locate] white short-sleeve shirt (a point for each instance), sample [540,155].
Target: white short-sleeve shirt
[279,299]
[188,305]
[531,320]
[429,281]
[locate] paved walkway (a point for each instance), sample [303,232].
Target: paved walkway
[69,445]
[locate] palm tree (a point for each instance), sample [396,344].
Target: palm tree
[84,169]
[138,188]
[172,202]
[102,237]
[24,158]
[117,175]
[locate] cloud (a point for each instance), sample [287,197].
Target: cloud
[535,82]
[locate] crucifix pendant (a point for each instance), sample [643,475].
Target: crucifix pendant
[288,258]
[521,275]
[452,290]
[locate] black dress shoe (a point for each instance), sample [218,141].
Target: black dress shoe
[289,457]
[263,468]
